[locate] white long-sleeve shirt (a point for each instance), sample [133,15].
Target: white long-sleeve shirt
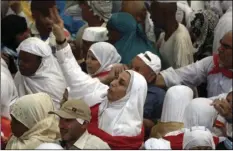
[197,73]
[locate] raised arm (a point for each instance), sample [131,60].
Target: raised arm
[82,86]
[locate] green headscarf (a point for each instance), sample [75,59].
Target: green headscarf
[133,39]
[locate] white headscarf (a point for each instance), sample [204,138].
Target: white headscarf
[51,146]
[154,143]
[200,113]
[48,78]
[106,54]
[198,136]
[8,90]
[32,111]
[124,117]
[175,102]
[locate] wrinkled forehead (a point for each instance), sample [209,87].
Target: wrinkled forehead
[227,38]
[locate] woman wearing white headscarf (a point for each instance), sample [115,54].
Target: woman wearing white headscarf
[174,105]
[39,70]
[117,110]
[199,112]
[31,124]
[198,138]
[100,58]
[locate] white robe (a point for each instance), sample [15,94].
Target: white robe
[8,90]
[197,73]
[123,117]
[224,25]
[178,50]
[48,77]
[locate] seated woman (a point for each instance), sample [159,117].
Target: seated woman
[117,110]
[31,124]
[100,57]
[198,138]
[174,105]
[39,70]
[128,36]
[199,112]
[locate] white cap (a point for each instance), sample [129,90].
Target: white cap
[154,143]
[154,63]
[95,34]
[49,146]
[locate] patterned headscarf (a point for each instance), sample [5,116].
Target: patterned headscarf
[202,24]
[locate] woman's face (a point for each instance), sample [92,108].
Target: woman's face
[17,128]
[118,87]
[113,36]
[28,63]
[92,63]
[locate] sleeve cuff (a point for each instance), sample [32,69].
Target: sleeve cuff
[64,54]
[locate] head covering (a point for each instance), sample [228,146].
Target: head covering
[198,136]
[183,6]
[106,54]
[175,103]
[124,117]
[48,77]
[202,24]
[49,146]
[95,34]
[8,90]
[32,111]
[154,143]
[74,109]
[133,39]
[152,60]
[199,112]
[102,8]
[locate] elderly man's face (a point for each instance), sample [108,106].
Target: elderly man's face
[139,66]
[71,129]
[118,87]
[225,51]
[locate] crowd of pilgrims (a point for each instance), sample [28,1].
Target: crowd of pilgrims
[116,74]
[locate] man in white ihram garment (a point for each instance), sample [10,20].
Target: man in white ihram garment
[216,70]
[120,106]
[175,45]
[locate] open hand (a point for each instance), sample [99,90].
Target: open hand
[58,32]
[223,107]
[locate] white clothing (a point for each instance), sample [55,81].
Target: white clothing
[197,73]
[149,28]
[48,77]
[154,63]
[94,34]
[199,112]
[175,103]
[197,5]
[123,117]
[178,50]
[106,54]
[8,90]
[51,146]
[88,141]
[154,143]
[185,8]
[32,111]
[224,25]
[198,136]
